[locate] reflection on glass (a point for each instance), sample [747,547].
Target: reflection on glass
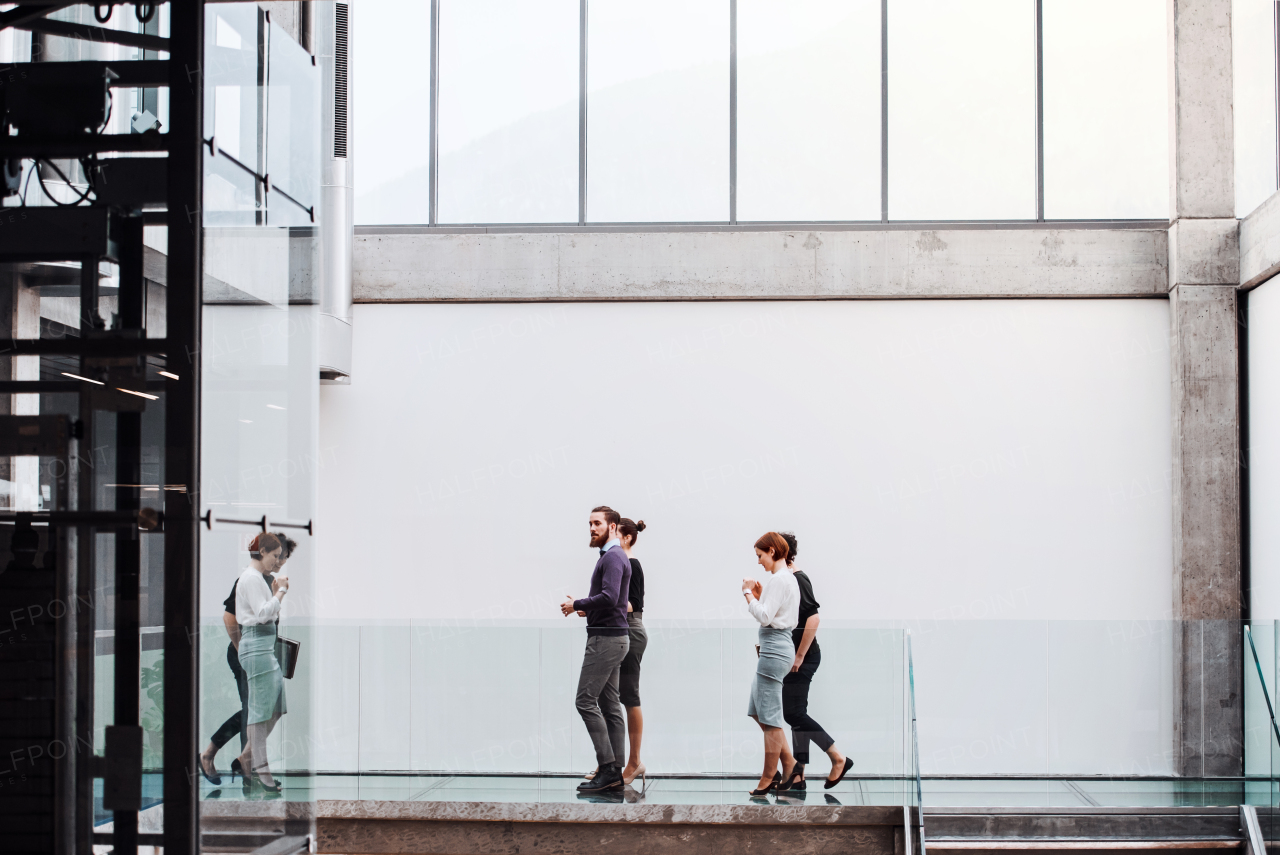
[809,110]
[658,111]
[391,76]
[1253,48]
[1106,118]
[508,111]
[961,110]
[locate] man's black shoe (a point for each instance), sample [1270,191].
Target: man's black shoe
[608,778]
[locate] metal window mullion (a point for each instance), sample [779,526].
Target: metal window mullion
[884,111]
[1039,32]
[582,112]
[733,112]
[433,133]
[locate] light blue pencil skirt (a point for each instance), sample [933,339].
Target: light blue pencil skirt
[262,670]
[776,655]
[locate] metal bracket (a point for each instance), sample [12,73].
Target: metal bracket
[262,523]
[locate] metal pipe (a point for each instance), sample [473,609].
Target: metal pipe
[336,214]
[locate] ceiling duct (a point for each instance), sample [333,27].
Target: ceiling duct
[333,28]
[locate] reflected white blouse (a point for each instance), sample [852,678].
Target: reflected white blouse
[779,603]
[255,604]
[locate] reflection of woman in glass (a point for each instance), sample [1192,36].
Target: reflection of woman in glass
[257,611]
[775,604]
[629,672]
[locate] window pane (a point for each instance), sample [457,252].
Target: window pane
[1106,109]
[1254,82]
[391,115]
[809,110]
[961,110]
[658,111]
[509,111]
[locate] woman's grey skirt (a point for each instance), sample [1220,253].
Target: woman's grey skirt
[629,671]
[262,671]
[776,655]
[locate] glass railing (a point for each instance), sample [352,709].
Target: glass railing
[952,713]
[1261,733]
[914,804]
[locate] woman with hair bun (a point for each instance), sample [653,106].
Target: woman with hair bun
[795,687]
[775,604]
[629,679]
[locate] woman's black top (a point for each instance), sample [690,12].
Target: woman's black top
[808,608]
[635,595]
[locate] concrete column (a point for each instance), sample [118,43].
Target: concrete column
[1207,586]
[1204,271]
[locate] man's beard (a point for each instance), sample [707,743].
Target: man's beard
[598,541]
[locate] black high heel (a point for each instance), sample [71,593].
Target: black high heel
[791,783]
[236,768]
[848,764]
[773,785]
[215,778]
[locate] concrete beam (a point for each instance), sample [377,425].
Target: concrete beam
[1202,132]
[1207,585]
[427,267]
[1260,243]
[1204,252]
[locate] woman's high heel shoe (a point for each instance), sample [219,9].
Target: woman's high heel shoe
[773,785]
[791,783]
[828,784]
[638,773]
[215,778]
[236,768]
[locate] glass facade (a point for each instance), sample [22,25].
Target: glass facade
[605,111]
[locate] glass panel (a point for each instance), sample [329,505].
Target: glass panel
[508,111]
[809,110]
[658,111]
[961,110]
[293,115]
[259,412]
[1253,48]
[390,125]
[231,114]
[1106,110]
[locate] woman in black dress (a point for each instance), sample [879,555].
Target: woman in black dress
[629,673]
[795,687]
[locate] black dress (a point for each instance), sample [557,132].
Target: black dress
[795,686]
[629,671]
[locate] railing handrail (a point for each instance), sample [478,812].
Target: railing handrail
[1271,711]
[915,743]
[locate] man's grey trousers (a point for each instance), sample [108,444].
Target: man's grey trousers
[597,699]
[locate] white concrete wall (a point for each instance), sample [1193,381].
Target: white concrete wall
[992,475]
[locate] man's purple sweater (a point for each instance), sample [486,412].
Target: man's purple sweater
[606,607]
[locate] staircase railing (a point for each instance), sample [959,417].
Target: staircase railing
[914,752]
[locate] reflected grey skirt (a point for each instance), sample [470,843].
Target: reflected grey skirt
[776,655]
[262,672]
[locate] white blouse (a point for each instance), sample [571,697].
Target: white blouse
[779,603]
[255,604]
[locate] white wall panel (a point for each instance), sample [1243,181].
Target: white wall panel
[937,459]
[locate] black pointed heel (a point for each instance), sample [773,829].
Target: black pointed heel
[848,764]
[236,768]
[791,783]
[215,778]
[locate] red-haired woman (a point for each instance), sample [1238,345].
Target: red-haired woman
[775,603]
[257,611]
